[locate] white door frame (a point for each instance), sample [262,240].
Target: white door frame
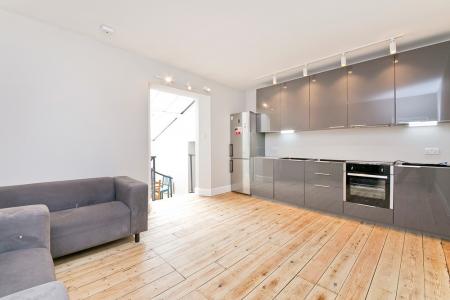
[203,135]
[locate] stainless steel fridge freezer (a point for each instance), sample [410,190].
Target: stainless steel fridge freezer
[245,143]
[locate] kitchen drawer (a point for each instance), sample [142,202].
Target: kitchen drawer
[371,213]
[325,173]
[325,198]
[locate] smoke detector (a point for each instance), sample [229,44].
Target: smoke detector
[106,29]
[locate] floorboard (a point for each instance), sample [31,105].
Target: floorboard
[234,246]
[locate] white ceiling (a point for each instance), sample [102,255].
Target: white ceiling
[236,41]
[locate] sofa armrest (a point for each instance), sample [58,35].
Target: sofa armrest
[134,194]
[24,227]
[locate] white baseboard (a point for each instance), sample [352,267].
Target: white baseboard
[213,191]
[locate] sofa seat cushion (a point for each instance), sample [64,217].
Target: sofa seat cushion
[80,228]
[25,268]
[54,290]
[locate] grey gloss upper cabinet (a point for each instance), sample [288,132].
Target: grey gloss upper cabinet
[422,78]
[422,199]
[295,105]
[268,107]
[328,99]
[371,93]
[289,181]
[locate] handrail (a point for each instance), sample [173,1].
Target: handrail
[153,174]
[163,175]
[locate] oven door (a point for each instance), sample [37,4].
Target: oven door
[372,190]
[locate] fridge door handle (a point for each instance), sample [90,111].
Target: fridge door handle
[231,150]
[231,166]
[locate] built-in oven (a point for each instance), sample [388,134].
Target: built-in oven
[370,184]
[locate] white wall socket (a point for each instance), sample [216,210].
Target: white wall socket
[432,151]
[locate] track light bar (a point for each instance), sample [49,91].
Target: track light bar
[392,42]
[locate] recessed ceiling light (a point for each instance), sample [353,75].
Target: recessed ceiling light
[188,86]
[106,29]
[206,89]
[274,79]
[168,79]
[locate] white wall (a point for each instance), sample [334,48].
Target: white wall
[376,144]
[71,107]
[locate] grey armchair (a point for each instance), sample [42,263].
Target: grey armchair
[25,259]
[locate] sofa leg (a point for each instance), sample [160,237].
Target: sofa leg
[137,238]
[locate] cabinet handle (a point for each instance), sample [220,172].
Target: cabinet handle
[324,174]
[231,150]
[335,127]
[320,185]
[231,166]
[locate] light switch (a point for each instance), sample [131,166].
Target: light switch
[432,151]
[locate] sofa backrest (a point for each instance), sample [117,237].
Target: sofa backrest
[60,195]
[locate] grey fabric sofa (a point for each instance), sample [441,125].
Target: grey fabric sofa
[26,265]
[87,212]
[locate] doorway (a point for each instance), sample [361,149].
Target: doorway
[174,119]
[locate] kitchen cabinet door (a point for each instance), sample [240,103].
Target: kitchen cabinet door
[268,107]
[324,186]
[422,199]
[289,181]
[422,79]
[295,105]
[371,95]
[328,99]
[262,177]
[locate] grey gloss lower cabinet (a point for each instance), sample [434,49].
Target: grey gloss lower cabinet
[324,186]
[289,181]
[422,199]
[261,184]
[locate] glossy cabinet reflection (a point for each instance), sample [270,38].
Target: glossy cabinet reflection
[295,104]
[422,199]
[268,107]
[328,99]
[289,181]
[261,184]
[422,78]
[371,95]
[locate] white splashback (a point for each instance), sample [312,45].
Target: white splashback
[375,144]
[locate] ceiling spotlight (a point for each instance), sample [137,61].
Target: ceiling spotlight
[188,86]
[305,71]
[206,89]
[168,79]
[274,79]
[343,60]
[392,46]
[106,29]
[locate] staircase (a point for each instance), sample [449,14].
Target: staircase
[161,184]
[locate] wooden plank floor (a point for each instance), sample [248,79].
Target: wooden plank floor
[237,247]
